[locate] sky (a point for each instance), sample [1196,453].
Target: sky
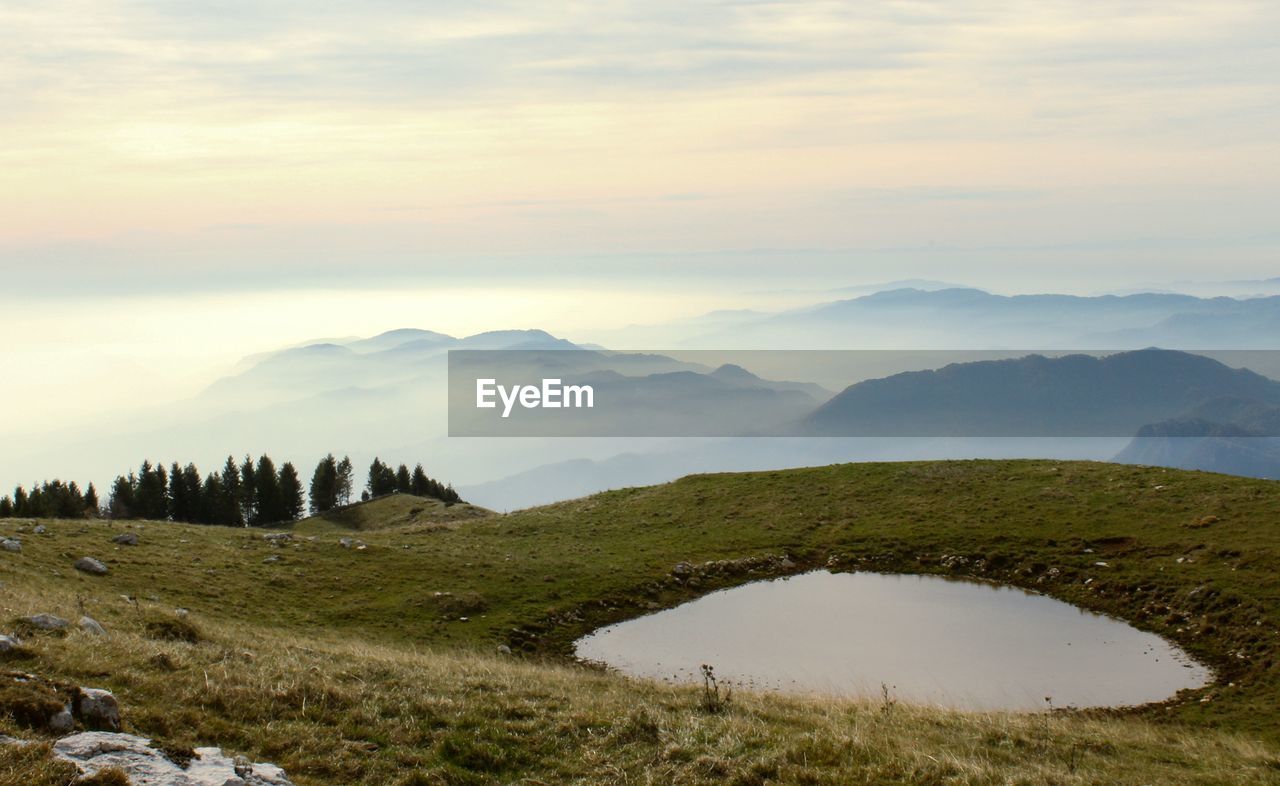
[211,179]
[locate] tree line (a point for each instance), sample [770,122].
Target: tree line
[241,493]
[51,499]
[384,480]
[253,493]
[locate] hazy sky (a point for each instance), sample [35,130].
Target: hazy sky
[172,174]
[176,146]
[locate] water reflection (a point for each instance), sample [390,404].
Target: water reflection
[932,640]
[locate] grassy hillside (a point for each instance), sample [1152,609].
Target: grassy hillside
[380,665]
[396,510]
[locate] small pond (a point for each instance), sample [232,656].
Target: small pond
[931,640]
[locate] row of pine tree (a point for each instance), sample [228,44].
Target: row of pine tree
[246,493]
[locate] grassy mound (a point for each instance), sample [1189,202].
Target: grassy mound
[392,511]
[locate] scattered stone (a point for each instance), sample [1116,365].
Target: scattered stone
[91,566]
[504,649]
[352,543]
[9,643]
[682,569]
[90,625]
[62,722]
[162,661]
[39,530]
[97,709]
[277,538]
[46,622]
[11,544]
[126,539]
[93,751]
[181,612]
[272,558]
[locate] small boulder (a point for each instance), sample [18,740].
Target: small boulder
[97,709]
[93,751]
[91,566]
[272,558]
[39,530]
[11,544]
[126,539]
[504,649]
[62,722]
[682,569]
[46,622]
[9,643]
[90,625]
[277,538]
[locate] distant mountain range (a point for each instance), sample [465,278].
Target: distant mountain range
[385,395]
[1236,436]
[960,318]
[1073,395]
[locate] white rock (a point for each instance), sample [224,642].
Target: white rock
[11,544]
[46,621]
[93,751]
[9,643]
[62,721]
[90,625]
[90,565]
[212,765]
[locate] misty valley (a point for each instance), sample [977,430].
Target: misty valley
[1069,548]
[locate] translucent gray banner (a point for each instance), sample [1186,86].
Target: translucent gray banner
[864,393]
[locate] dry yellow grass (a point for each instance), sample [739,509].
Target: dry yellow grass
[336,711]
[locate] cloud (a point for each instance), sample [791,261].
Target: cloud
[416,130]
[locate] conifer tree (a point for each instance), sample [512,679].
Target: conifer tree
[291,504]
[269,505]
[248,491]
[120,505]
[346,473]
[151,497]
[420,486]
[382,479]
[228,510]
[212,500]
[324,485]
[194,489]
[403,482]
[179,505]
[91,501]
